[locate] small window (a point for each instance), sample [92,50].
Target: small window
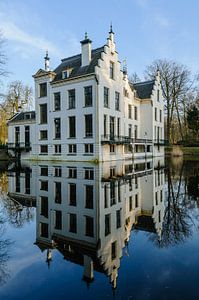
[72,172]
[130,203]
[88,95]
[43,89]
[111,70]
[58,171]
[43,149]
[158,95]
[106,97]
[57,101]
[65,74]
[118,218]
[44,185]
[89,174]
[72,148]
[43,134]
[57,149]
[112,148]
[44,171]
[88,148]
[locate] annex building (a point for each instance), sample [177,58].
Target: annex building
[86,109]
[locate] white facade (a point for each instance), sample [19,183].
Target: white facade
[104,118]
[91,223]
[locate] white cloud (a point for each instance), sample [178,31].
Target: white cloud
[14,33]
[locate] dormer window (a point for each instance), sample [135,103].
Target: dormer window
[66,73]
[43,89]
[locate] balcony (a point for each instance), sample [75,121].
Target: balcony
[119,140]
[19,146]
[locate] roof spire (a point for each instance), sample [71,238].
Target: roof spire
[111,28]
[46,59]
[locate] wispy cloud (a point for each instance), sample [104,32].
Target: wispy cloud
[14,33]
[161,20]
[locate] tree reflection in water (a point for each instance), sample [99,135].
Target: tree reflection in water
[182,196]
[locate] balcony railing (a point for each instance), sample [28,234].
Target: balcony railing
[115,139]
[19,146]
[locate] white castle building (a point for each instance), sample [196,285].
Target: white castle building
[88,110]
[88,212]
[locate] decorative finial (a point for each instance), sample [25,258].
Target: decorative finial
[86,35]
[111,28]
[47,58]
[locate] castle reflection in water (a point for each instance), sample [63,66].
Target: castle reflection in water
[87,212]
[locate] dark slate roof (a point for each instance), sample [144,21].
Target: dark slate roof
[23,116]
[144,89]
[74,62]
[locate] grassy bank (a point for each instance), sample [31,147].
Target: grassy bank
[185,150]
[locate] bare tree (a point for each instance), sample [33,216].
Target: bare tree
[134,78]
[176,83]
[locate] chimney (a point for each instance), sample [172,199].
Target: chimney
[46,59]
[86,51]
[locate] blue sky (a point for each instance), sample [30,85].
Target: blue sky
[144,30]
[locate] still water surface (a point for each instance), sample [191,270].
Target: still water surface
[110,231]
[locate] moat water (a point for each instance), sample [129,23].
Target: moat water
[135,234]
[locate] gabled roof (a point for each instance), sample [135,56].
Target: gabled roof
[144,89]
[22,116]
[74,63]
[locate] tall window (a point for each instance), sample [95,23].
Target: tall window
[88,148]
[43,89]
[105,125]
[118,218]
[57,101]
[111,70]
[155,113]
[72,172]
[58,219]
[72,149]
[43,113]
[160,115]
[106,97]
[58,192]
[89,196]
[44,206]
[57,122]
[135,132]
[118,127]
[158,95]
[72,194]
[57,149]
[71,99]
[107,224]
[130,130]
[129,111]
[72,127]
[89,174]
[73,223]
[89,226]
[17,134]
[88,95]
[135,113]
[117,101]
[112,193]
[88,125]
